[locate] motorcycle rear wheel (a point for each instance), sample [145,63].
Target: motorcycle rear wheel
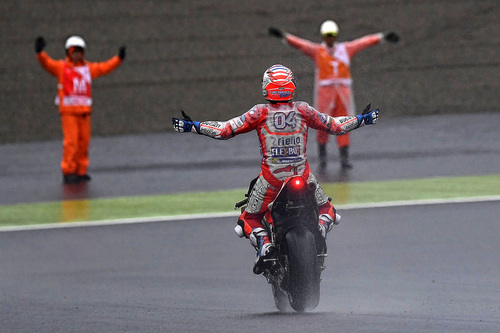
[304,274]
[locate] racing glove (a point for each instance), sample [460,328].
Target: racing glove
[39,44]
[186,124]
[275,32]
[367,117]
[122,52]
[391,37]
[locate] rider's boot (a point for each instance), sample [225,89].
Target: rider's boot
[326,222]
[265,249]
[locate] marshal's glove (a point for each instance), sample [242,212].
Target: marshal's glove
[367,117]
[186,124]
[122,52]
[275,32]
[391,37]
[39,44]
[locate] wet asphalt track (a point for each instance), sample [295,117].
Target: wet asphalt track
[404,269]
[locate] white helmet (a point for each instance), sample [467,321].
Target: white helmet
[75,41]
[329,27]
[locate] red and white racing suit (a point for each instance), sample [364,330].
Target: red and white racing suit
[332,88]
[282,130]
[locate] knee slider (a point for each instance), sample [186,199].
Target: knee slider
[239,229]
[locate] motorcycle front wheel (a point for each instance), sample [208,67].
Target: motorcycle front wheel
[304,274]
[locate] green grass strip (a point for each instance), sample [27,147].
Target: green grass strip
[223,201]
[413,189]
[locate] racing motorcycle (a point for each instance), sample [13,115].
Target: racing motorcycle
[294,270]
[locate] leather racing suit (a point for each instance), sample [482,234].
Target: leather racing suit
[282,129]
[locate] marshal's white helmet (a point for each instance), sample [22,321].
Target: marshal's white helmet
[75,41]
[329,27]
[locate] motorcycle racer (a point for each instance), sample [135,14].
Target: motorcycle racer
[282,126]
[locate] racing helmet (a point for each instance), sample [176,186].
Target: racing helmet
[329,27]
[75,41]
[278,84]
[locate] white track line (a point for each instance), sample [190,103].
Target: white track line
[237,213]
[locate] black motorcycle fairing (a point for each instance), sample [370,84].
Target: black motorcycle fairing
[295,205]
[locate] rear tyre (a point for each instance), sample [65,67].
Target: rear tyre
[303,290]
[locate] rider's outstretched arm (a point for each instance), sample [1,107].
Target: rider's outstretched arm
[220,130]
[350,123]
